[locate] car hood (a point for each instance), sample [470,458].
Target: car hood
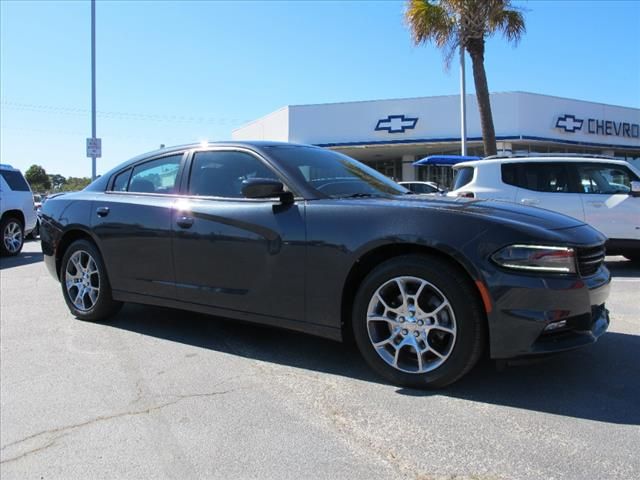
[490,209]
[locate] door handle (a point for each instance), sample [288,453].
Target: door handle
[184,222]
[530,201]
[596,204]
[102,211]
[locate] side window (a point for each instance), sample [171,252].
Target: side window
[15,180]
[604,179]
[544,177]
[121,181]
[509,173]
[156,176]
[220,174]
[463,176]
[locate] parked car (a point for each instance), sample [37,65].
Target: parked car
[309,239]
[601,191]
[17,212]
[422,187]
[38,200]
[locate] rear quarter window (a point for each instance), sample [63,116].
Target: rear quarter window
[463,176]
[121,181]
[15,180]
[509,174]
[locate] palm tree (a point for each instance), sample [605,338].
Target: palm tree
[451,24]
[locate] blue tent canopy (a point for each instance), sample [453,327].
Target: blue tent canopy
[444,160]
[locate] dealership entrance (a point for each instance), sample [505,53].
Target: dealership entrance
[390,135]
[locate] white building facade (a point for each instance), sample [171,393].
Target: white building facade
[390,135]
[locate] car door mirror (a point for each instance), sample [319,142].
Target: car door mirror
[265,188]
[635,189]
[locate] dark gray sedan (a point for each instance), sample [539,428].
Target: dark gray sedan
[304,238]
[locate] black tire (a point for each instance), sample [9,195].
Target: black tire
[468,315]
[103,307]
[13,224]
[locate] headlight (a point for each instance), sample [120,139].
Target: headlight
[537,258]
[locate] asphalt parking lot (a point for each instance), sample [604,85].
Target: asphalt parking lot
[161,393]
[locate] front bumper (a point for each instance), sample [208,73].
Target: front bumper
[524,305]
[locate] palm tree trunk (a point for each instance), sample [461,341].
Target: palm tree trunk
[476,51]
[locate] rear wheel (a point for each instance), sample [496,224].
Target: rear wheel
[12,236]
[417,322]
[85,285]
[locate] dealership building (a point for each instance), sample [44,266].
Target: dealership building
[390,135]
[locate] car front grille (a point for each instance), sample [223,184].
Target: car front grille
[590,259]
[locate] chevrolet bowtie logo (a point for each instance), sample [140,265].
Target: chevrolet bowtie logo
[396,124]
[570,123]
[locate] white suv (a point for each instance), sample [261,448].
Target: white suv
[601,191]
[17,213]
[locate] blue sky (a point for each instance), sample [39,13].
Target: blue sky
[176,72]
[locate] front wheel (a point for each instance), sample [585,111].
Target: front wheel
[418,322]
[85,285]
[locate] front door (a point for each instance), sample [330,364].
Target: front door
[608,205]
[235,253]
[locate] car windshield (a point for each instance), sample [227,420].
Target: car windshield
[334,174]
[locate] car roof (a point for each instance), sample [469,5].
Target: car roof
[256,145]
[243,143]
[6,166]
[540,159]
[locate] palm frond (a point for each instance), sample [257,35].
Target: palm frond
[509,21]
[428,22]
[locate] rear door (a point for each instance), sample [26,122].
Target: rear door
[133,223]
[234,253]
[608,205]
[548,185]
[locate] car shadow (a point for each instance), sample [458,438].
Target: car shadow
[621,267]
[599,382]
[24,258]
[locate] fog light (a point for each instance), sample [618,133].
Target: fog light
[555,325]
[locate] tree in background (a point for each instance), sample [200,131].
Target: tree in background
[451,24]
[74,184]
[38,178]
[57,181]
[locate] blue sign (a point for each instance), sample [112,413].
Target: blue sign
[396,124]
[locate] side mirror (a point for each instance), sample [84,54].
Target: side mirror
[265,188]
[635,189]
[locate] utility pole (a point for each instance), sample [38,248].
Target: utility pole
[463,106]
[95,151]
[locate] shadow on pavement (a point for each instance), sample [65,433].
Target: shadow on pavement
[621,267]
[25,258]
[599,382]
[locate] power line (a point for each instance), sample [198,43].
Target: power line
[51,109]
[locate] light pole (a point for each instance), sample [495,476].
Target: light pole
[93,87]
[463,106]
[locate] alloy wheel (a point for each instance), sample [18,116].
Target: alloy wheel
[12,236]
[411,324]
[82,280]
